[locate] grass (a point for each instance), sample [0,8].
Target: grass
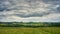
[23,30]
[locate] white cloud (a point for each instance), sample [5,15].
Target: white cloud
[29,10]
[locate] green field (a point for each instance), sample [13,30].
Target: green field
[23,30]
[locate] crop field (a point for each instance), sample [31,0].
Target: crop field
[28,30]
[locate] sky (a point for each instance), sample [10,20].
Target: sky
[30,10]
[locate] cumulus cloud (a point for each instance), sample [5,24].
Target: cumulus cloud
[29,10]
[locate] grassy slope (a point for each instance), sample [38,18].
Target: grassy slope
[42,30]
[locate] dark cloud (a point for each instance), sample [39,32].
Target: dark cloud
[51,1]
[58,9]
[2,6]
[35,14]
[6,4]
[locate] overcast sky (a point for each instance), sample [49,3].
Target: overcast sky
[30,10]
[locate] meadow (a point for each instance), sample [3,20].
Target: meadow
[29,30]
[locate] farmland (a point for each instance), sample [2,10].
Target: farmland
[28,30]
